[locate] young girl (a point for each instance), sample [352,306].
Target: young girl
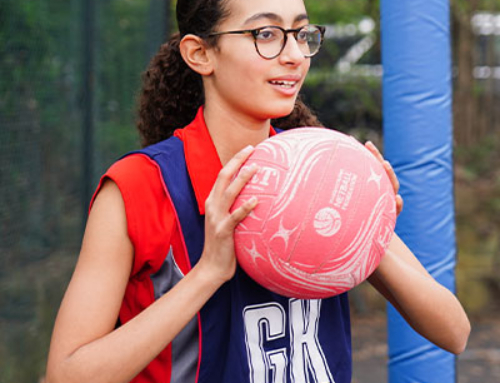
[156,295]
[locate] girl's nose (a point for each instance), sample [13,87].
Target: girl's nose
[292,54]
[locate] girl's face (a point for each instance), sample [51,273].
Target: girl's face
[243,81]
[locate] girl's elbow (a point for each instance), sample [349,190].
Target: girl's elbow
[458,347]
[460,339]
[52,375]
[58,376]
[57,373]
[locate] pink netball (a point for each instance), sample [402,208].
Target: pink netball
[325,216]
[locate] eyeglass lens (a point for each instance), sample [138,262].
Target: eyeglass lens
[270,41]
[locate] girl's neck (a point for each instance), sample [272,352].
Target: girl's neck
[232,132]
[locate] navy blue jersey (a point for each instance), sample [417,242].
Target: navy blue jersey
[246,333]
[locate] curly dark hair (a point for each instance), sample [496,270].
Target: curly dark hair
[172,92]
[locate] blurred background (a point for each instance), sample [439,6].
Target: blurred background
[69,77]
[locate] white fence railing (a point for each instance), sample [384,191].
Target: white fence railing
[483,23]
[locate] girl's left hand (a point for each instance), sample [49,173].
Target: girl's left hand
[390,172]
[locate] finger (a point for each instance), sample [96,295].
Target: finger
[229,170]
[399,204]
[392,176]
[240,213]
[374,150]
[244,175]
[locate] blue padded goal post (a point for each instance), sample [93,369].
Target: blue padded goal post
[417,110]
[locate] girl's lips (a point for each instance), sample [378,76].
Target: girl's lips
[286,84]
[290,78]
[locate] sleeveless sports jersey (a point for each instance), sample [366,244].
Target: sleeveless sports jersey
[244,333]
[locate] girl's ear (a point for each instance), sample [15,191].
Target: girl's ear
[196,55]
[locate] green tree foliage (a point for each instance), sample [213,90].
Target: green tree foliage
[343,101]
[340,11]
[36,68]
[41,157]
[40,136]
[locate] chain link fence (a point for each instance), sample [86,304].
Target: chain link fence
[69,77]
[69,71]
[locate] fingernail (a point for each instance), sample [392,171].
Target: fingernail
[248,148]
[248,170]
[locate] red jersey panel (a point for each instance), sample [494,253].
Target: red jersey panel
[153,228]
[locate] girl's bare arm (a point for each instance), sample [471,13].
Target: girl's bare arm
[431,309]
[85,345]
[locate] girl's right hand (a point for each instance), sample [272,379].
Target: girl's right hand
[218,256]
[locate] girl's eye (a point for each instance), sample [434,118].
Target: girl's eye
[268,34]
[303,36]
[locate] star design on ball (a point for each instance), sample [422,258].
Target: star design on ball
[374,177]
[253,253]
[284,233]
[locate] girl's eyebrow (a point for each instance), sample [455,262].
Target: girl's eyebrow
[274,17]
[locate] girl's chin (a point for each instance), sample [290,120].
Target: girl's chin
[272,110]
[283,110]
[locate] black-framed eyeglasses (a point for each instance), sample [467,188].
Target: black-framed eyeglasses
[270,40]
